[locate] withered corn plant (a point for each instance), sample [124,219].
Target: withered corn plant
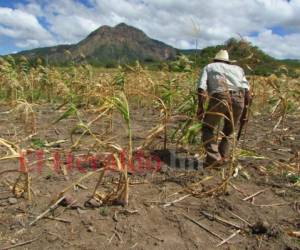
[120,103]
[26,114]
[9,77]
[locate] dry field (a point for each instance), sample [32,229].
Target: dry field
[107,159]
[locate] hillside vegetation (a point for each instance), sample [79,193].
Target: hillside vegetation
[250,57]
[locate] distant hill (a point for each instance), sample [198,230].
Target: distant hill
[250,57]
[107,45]
[124,44]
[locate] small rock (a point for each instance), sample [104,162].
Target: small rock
[81,211]
[92,203]
[260,227]
[91,229]
[51,238]
[3,203]
[274,231]
[69,201]
[13,241]
[12,201]
[281,193]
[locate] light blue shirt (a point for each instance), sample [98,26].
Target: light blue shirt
[222,77]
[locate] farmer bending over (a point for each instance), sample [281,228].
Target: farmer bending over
[228,91]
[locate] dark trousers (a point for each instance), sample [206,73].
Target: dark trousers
[222,106]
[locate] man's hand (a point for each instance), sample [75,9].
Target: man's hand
[200,112]
[247,103]
[248,98]
[201,101]
[244,116]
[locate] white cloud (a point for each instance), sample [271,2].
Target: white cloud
[72,28]
[23,27]
[278,46]
[176,22]
[70,20]
[30,43]
[32,8]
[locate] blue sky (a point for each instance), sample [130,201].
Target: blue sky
[273,25]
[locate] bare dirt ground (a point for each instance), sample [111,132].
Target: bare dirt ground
[151,220]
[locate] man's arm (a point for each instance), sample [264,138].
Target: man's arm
[247,103]
[247,97]
[201,92]
[201,101]
[247,100]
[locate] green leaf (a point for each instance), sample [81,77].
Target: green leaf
[71,111]
[251,154]
[38,143]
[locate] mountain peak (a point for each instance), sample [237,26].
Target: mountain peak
[123,25]
[118,44]
[121,28]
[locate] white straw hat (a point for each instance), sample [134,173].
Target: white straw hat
[222,55]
